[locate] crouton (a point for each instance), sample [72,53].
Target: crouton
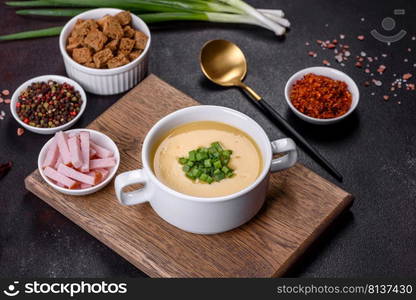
[82,55]
[102,57]
[95,39]
[73,42]
[112,45]
[126,45]
[90,65]
[117,61]
[141,40]
[112,28]
[134,54]
[124,17]
[83,27]
[128,32]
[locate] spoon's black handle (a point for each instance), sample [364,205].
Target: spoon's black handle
[281,122]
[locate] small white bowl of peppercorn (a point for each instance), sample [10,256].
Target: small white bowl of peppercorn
[48,104]
[321,95]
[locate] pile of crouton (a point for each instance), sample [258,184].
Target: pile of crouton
[109,42]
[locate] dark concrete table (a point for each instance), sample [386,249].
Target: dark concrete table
[374,149]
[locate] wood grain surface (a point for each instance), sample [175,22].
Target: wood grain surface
[300,205]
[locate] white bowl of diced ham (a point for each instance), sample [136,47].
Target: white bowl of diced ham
[79,161]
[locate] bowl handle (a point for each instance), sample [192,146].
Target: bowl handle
[287,146]
[129,178]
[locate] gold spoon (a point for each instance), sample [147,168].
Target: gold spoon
[224,63]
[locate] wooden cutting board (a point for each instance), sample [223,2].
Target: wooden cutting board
[300,205]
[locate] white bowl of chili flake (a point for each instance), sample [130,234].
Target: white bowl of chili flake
[321,95]
[48,104]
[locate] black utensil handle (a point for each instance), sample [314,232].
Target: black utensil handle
[281,122]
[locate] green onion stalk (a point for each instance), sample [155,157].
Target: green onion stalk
[153,11]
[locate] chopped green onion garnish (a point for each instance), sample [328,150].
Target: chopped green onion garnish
[183,160]
[217,164]
[192,155]
[207,164]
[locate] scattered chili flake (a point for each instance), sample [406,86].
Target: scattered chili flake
[20,131]
[359,64]
[5,92]
[313,54]
[360,37]
[326,63]
[381,69]
[320,96]
[4,168]
[407,76]
[385,97]
[7,101]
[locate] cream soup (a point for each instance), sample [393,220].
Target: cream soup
[246,159]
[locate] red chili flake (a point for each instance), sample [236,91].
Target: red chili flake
[411,86]
[331,46]
[321,97]
[358,64]
[367,70]
[381,69]
[18,104]
[20,131]
[311,53]
[6,92]
[407,76]
[26,120]
[385,97]
[7,101]
[334,42]
[4,168]
[326,63]
[319,42]
[360,37]
[366,83]
[1,100]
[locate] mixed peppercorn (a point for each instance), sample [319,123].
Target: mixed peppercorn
[321,97]
[48,104]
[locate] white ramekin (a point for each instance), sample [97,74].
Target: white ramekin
[328,72]
[98,138]
[106,81]
[59,79]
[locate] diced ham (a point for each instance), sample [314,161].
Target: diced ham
[52,155]
[60,178]
[104,173]
[102,163]
[84,178]
[85,186]
[63,147]
[58,162]
[98,175]
[93,153]
[85,151]
[60,185]
[75,151]
[101,152]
